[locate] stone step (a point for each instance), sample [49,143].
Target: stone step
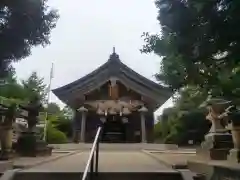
[199,177]
[100,176]
[189,175]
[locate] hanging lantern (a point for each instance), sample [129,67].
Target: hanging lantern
[126,111]
[103,119]
[106,113]
[125,120]
[112,112]
[100,112]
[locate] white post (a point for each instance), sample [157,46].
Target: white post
[142,111]
[83,127]
[83,110]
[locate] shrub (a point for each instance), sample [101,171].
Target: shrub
[64,125]
[55,136]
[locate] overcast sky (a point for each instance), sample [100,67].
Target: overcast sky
[85,35]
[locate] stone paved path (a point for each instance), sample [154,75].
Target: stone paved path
[116,146]
[24,162]
[109,161]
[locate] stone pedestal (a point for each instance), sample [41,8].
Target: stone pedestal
[234,155]
[213,170]
[6,143]
[216,146]
[30,145]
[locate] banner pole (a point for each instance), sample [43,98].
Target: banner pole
[48,99]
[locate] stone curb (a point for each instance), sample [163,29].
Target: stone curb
[23,167]
[173,166]
[9,174]
[169,151]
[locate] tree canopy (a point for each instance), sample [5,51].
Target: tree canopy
[199,44]
[20,92]
[185,120]
[25,89]
[23,24]
[34,85]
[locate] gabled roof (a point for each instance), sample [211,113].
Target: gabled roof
[114,68]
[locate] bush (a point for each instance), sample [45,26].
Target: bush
[55,136]
[64,125]
[158,130]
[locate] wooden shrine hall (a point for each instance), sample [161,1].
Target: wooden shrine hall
[118,99]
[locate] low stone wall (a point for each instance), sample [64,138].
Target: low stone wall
[215,170]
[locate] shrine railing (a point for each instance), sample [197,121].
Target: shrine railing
[91,168]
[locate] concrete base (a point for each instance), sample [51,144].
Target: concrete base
[234,155]
[29,145]
[216,146]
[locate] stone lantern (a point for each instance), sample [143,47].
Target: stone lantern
[218,141]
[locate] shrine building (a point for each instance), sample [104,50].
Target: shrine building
[117,98]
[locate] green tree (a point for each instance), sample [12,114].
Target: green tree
[64,125]
[53,108]
[165,120]
[34,85]
[68,112]
[190,98]
[60,118]
[185,121]
[199,44]
[54,135]
[23,24]
[12,89]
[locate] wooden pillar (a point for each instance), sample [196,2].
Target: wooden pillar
[142,111]
[83,111]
